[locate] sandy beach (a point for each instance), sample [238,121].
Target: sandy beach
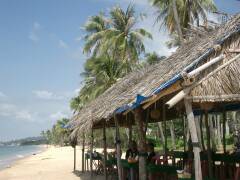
[51,164]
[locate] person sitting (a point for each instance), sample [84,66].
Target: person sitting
[132,152]
[151,152]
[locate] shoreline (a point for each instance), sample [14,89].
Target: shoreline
[14,160]
[51,163]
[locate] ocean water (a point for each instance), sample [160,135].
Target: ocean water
[9,154]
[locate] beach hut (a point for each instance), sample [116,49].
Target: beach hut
[203,74]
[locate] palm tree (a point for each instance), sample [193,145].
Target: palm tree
[99,74]
[127,40]
[116,35]
[95,27]
[188,12]
[153,58]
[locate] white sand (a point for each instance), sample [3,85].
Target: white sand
[55,163]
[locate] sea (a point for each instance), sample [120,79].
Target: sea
[9,154]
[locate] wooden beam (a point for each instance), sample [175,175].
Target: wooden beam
[233,51]
[177,98]
[198,70]
[194,137]
[175,87]
[118,144]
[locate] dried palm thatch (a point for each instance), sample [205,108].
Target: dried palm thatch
[222,84]
[146,80]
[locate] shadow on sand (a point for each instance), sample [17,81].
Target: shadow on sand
[87,176]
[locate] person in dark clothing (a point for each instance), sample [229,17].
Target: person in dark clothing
[132,152]
[151,152]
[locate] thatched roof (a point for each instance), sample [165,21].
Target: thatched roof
[159,76]
[222,84]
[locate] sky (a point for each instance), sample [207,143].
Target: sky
[41,57]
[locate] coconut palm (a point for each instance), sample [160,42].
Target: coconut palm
[125,39]
[95,27]
[99,74]
[189,12]
[115,35]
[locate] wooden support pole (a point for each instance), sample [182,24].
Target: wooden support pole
[105,150]
[139,120]
[195,142]
[201,131]
[184,132]
[83,152]
[130,134]
[209,154]
[165,128]
[91,153]
[224,131]
[118,144]
[74,165]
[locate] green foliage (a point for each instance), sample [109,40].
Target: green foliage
[189,12]
[58,135]
[114,45]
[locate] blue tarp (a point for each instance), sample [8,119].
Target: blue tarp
[139,100]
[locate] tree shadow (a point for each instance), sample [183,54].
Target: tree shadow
[87,176]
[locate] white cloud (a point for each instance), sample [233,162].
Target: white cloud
[62,44]
[34,33]
[47,95]
[12,111]
[58,115]
[24,115]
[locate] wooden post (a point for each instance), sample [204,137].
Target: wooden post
[74,166]
[197,123]
[130,133]
[224,131]
[184,132]
[139,120]
[118,144]
[195,142]
[91,153]
[83,155]
[165,127]
[209,154]
[105,150]
[201,131]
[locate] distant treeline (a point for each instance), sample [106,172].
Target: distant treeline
[26,141]
[59,134]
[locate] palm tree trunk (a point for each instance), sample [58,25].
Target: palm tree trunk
[161,132]
[219,131]
[196,119]
[176,18]
[139,119]
[212,133]
[172,135]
